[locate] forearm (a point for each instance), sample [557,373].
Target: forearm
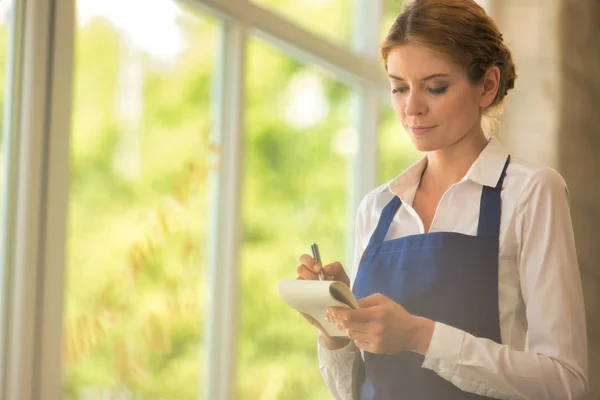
[337,366]
[490,369]
[333,343]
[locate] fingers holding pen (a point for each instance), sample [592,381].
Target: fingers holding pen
[332,272]
[337,272]
[304,273]
[310,263]
[308,269]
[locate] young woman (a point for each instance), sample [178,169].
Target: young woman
[465,263]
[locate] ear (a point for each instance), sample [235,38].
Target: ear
[490,85]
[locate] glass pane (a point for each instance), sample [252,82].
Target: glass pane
[396,151]
[6,8]
[331,18]
[391,9]
[298,154]
[134,320]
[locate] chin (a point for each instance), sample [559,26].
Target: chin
[426,145]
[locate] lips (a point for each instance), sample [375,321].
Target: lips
[420,130]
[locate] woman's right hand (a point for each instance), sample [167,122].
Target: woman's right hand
[308,270]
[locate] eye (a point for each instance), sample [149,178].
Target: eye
[437,91]
[399,90]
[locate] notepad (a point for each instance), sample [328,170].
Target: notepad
[313,298]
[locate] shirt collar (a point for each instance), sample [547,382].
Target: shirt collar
[486,170]
[404,185]
[488,167]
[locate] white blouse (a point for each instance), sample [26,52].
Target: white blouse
[543,354]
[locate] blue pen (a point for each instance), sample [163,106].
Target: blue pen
[317,256]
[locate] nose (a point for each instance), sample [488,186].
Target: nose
[415,105]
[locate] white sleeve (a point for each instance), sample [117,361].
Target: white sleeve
[361,236]
[555,365]
[338,367]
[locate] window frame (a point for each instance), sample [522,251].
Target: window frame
[358,67]
[38,129]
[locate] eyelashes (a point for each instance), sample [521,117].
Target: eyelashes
[440,90]
[434,91]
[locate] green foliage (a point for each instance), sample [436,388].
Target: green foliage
[331,19]
[136,302]
[134,315]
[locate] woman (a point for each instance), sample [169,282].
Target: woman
[465,263]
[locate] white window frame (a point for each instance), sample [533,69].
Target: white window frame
[39,132]
[357,67]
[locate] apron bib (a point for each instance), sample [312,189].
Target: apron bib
[444,276]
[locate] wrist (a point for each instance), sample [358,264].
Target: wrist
[422,334]
[334,343]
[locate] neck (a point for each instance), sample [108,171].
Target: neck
[447,166]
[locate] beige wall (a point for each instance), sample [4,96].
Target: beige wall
[553,117]
[579,151]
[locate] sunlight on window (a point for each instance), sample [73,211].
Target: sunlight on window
[154,30]
[295,192]
[333,19]
[345,141]
[307,105]
[134,315]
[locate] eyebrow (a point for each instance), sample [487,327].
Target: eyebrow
[424,79]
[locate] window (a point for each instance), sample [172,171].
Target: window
[391,9]
[8,179]
[5,16]
[333,19]
[134,315]
[154,197]
[299,148]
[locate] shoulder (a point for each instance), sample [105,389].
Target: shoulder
[376,199]
[530,181]
[397,186]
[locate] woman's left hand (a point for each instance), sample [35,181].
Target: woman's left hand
[383,326]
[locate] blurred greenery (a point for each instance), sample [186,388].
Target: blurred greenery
[141,155]
[134,306]
[333,19]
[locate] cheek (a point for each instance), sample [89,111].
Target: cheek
[458,109]
[450,106]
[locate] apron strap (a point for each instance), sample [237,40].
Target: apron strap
[490,207]
[387,215]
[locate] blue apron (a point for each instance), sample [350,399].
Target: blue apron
[444,276]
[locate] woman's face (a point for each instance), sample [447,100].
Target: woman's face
[433,97]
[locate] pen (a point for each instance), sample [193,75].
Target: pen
[317,256]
